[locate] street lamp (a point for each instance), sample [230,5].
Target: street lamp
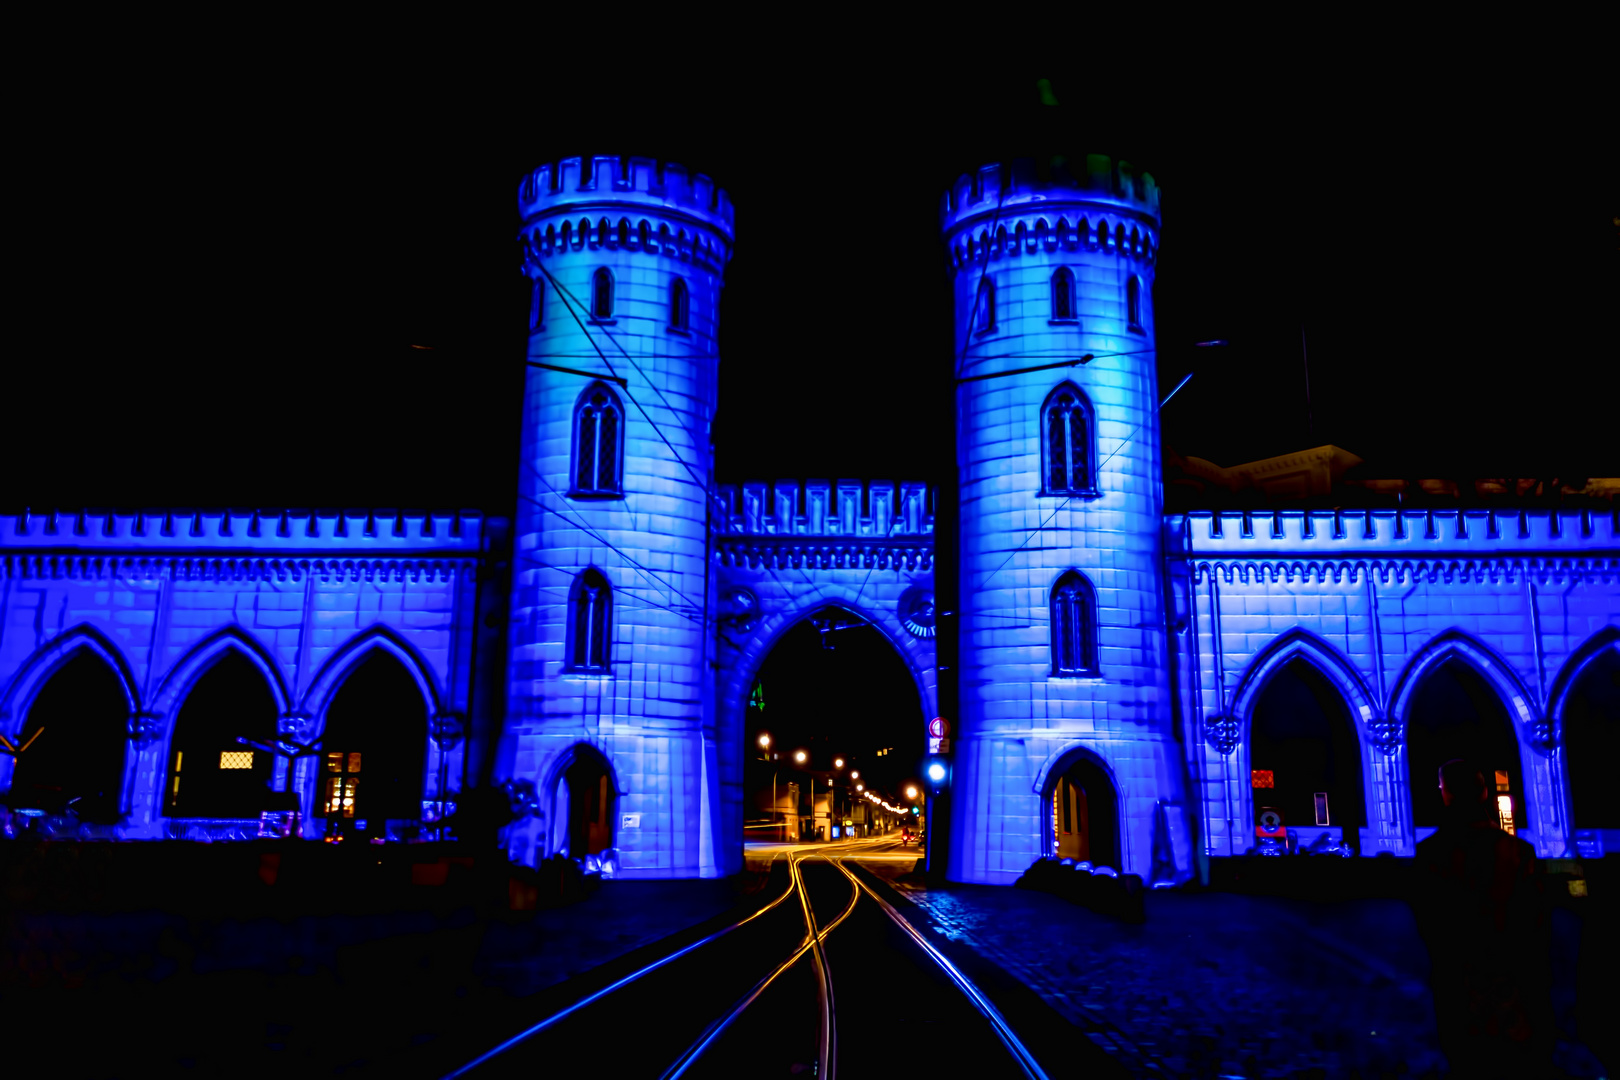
[765,740]
[854,774]
[911,792]
[838,763]
[799,756]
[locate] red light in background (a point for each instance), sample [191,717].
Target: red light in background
[1262,778]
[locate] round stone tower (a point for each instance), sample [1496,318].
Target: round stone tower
[609,655]
[1063,664]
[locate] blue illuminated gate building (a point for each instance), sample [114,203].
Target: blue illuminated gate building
[1128,679]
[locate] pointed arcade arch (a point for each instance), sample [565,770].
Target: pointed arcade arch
[19,693]
[210,774]
[378,638]
[1585,710]
[75,730]
[1457,698]
[373,758]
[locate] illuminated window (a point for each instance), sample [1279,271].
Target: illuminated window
[537,304]
[1063,294]
[231,759]
[1065,423]
[987,306]
[1504,802]
[1074,621]
[598,448]
[602,294]
[341,790]
[677,305]
[1262,778]
[1133,301]
[592,622]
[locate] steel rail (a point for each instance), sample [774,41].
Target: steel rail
[623,982]
[998,1023]
[827,1045]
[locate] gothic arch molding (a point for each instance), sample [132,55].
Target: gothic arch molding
[1570,674]
[773,624]
[1065,756]
[1529,722]
[337,667]
[177,682]
[25,685]
[1301,644]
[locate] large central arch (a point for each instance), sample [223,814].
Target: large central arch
[743,653]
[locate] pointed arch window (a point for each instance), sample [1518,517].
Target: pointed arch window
[602,294]
[590,622]
[986,306]
[537,301]
[678,305]
[1066,427]
[1063,294]
[1074,626]
[598,442]
[1133,302]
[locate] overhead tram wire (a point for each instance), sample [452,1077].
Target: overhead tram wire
[569,301]
[1123,443]
[638,602]
[594,535]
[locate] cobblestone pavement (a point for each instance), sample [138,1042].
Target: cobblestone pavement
[1217,985]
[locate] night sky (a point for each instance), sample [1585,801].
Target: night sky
[219,276]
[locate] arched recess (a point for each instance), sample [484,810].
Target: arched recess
[1078,788]
[582,793]
[1585,710]
[1068,441]
[374,748]
[19,693]
[210,774]
[337,667]
[1493,718]
[75,731]
[1341,678]
[201,656]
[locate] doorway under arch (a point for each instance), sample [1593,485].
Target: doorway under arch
[211,775]
[1456,714]
[75,731]
[583,806]
[1084,808]
[374,747]
[1304,757]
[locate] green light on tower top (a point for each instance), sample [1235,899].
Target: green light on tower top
[756,696]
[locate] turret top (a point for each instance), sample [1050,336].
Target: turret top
[625,182]
[1020,187]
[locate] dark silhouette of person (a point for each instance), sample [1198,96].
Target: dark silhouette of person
[1481,909]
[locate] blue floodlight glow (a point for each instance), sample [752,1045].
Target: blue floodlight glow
[643,601]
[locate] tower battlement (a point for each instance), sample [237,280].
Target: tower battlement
[829,509]
[577,183]
[1017,187]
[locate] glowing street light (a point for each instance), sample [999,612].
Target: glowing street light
[854,774]
[860,787]
[838,763]
[799,756]
[765,740]
[911,792]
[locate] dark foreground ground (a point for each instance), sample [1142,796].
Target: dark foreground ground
[1211,984]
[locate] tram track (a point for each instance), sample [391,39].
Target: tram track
[736,1013]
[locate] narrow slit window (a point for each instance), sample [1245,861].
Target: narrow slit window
[537,301]
[987,306]
[677,305]
[1063,294]
[1133,301]
[602,294]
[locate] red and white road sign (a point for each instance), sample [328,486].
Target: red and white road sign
[939,728]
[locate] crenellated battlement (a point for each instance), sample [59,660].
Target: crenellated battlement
[851,508]
[1441,531]
[224,530]
[626,183]
[1018,189]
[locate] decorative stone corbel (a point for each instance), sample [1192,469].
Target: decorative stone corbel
[1223,733]
[1539,734]
[447,729]
[1387,734]
[145,728]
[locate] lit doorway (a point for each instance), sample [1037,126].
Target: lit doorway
[374,748]
[582,816]
[1085,813]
